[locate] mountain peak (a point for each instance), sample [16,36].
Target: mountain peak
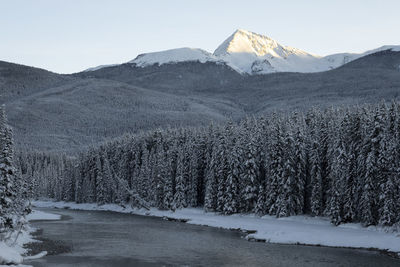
[250,52]
[244,41]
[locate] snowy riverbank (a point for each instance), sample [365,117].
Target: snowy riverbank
[11,252]
[291,230]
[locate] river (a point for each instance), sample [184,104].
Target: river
[100,238]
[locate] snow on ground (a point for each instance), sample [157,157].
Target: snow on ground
[290,230]
[11,251]
[9,255]
[40,215]
[37,256]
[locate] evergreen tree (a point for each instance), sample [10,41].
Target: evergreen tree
[232,198]
[13,189]
[250,171]
[210,201]
[221,171]
[7,174]
[388,214]
[181,182]
[100,184]
[316,200]
[276,167]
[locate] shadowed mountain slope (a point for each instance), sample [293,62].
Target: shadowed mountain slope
[17,81]
[50,111]
[367,79]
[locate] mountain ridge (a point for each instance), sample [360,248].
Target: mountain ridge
[251,53]
[51,111]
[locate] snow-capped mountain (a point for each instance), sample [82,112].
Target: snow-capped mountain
[252,53]
[174,56]
[337,60]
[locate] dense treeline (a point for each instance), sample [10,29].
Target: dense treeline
[342,163]
[13,189]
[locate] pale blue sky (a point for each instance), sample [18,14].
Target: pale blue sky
[70,35]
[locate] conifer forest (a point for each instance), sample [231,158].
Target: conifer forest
[343,163]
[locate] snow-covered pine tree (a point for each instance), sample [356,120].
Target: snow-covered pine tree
[193,154]
[201,152]
[261,205]
[100,180]
[168,173]
[145,190]
[354,139]
[89,184]
[181,181]
[328,126]
[262,135]
[299,158]
[316,200]
[388,214]
[372,146]
[287,200]
[276,168]
[221,169]
[250,168]
[158,167]
[211,185]
[110,182]
[8,190]
[339,174]
[7,193]
[232,189]
[389,169]
[386,155]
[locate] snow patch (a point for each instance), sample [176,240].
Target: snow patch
[173,56]
[100,67]
[37,256]
[40,215]
[9,255]
[289,230]
[11,251]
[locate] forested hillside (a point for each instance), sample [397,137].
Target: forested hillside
[18,81]
[342,163]
[53,112]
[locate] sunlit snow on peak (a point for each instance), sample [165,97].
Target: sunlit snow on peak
[252,53]
[173,56]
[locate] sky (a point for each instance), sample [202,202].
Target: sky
[67,36]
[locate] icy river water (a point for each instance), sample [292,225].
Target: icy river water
[99,238]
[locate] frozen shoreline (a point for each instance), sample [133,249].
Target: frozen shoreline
[13,253]
[305,230]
